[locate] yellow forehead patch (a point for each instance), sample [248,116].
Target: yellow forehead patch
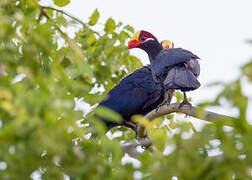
[136,36]
[167,43]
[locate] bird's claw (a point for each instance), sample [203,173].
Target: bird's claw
[185,103]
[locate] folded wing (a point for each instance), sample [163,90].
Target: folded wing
[180,77]
[169,58]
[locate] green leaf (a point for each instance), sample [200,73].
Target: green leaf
[110,26]
[91,39]
[178,96]
[66,62]
[247,70]
[61,3]
[94,18]
[62,21]
[108,114]
[129,28]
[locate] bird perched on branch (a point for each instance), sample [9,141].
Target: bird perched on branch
[176,68]
[137,93]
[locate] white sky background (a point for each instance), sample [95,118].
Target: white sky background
[215,30]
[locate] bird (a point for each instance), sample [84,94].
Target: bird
[176,68]
[137,93]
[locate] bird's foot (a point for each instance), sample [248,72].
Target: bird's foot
[185,103]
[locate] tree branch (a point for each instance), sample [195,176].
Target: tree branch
[130,147]
[186,109]
[70,16]
[145,142]
[190,111]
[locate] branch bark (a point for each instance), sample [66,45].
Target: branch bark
[190,111]
[187,110]
[130,147]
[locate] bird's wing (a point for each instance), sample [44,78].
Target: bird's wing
[169,58]
[173,56]
[180,77]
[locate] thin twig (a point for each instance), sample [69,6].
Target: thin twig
[130,147]
[71,16]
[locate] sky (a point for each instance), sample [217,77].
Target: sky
[214,30]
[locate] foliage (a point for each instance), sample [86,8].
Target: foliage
[38,126]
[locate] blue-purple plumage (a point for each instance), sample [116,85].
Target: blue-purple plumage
[137,93]
[180,77]
[166,59]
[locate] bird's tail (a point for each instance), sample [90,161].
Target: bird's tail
[180,77]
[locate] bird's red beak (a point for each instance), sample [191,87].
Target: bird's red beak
[133,44]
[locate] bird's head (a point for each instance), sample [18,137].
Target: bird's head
[166,44]
[142,39]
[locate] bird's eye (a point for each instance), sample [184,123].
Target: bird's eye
[143,38]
